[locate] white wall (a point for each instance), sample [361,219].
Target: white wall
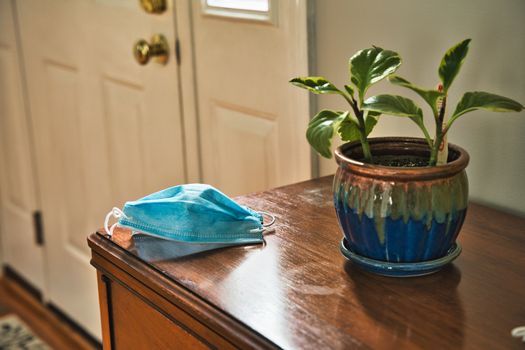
[421,31]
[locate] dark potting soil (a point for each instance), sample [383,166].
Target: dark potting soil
[400,161]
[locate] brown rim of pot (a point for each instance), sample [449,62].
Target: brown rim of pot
[458,159]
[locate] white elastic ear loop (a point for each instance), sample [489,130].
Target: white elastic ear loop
[264,225]
[519,332]
[270,215]
[117,214]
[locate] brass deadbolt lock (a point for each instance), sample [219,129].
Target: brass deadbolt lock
[153,6]
[158,48]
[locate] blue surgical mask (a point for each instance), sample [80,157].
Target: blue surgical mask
[153,249]
[193,213]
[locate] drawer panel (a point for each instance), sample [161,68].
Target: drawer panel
[137,325]
[121,295]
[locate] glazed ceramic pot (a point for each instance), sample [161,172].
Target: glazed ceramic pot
[400,215]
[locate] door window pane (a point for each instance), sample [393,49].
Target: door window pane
[249,5]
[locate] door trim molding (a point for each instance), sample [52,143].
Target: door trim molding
[182,13]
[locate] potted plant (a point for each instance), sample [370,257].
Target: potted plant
[400,202]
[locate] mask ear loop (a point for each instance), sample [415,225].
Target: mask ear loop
[271,216]
[272,221]
[264,230]
[519,332]
[117,214]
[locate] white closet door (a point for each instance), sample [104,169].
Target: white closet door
[106,129]
[252,121]
[18,200]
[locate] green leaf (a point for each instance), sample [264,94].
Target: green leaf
[475,100]
[430,96]
[317,85]
[394,105]
[349,130]
[321,130]
[349,89]
[398,106]
[369,66]
[349,127]
[371,121]
[451,63]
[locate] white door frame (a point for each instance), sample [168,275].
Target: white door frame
[189,110]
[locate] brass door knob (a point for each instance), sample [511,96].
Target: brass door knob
[158,48]
[153,6]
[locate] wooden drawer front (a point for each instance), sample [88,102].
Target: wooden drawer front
[137,325]
[127,308]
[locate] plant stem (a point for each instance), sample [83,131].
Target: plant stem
[367,155]
[439,133]
[435,149]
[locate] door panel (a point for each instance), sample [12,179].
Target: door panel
[246,146]
[18,199]
[62,85]
[14,128]
[124,116]
[257,141]
[107,130]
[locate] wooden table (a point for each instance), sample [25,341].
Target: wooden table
[298,292]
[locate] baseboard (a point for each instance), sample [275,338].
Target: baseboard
[14,276]
[73,324]
[32,298]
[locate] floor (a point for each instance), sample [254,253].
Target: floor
[45,324]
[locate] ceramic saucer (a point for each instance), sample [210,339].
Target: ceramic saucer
[402,269]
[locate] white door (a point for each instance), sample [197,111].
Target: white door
[18,201]
[252,122]
[106,128]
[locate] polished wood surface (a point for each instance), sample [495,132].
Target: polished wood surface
[297,290]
